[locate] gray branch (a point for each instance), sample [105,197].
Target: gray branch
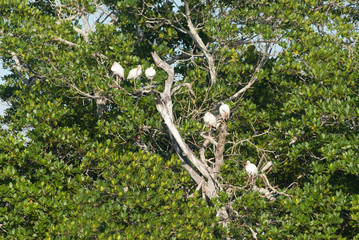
[164,107]
[220,149]
[197,39]
[71,44]
[254,77]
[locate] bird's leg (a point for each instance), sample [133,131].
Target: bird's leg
[151,81]
[212,130]
[119,81]
[253,180]
[116,80]
[134,83]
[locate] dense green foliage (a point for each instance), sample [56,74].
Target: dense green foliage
[68,171]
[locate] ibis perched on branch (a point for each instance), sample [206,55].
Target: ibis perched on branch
[251,169]
[210,119]
[150,74]
[224,111]
[118,72]
[134,74]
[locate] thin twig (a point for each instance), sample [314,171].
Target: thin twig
[67,42]
[254,76]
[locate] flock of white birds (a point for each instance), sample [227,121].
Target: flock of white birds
[134,74]
[211,120]
[208,118]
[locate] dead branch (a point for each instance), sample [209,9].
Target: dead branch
[63,19]
[254,77]
[268,185]
[71,44]
[82,92]
[267,166]
[254,234]
[100,103]
[23,71]
[209,138]
[198,40]
[220,149]
[164,106]
[20,69]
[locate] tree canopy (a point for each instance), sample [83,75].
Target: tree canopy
[85,154]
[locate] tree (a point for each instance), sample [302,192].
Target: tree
[102,159]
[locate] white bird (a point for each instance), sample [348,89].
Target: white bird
[150,74]
[210,119]
[251,169]
[118,71]
[134,74]
[224,111]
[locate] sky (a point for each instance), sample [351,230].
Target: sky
[3,105]
[3,71]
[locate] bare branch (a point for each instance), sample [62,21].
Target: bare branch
[71,44]
[199,187]
[188,85]
[85,23]
[83,33]
[66,19]
[82,92]
[260,161]
[267,166]
[195,176]
[266,182]
[220,148]
[97,21]
[197,39]
[18,65]
[254,234]
[254,76]
[164,107]
[100,103]
[209,138]
[141,144]
[168,69]
[22,70]
[248,140]
[2,228]
[185,56]
[96,96]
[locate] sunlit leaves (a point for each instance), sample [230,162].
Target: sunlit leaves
[66,172]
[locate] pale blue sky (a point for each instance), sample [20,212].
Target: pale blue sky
[3,105]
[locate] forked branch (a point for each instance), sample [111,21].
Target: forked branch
[164,106]
[199,42]
[254,77]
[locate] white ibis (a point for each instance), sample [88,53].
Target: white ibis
[224,111]
[134,74]
[210,119]
[251,169]
[118,71]
[150,74]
